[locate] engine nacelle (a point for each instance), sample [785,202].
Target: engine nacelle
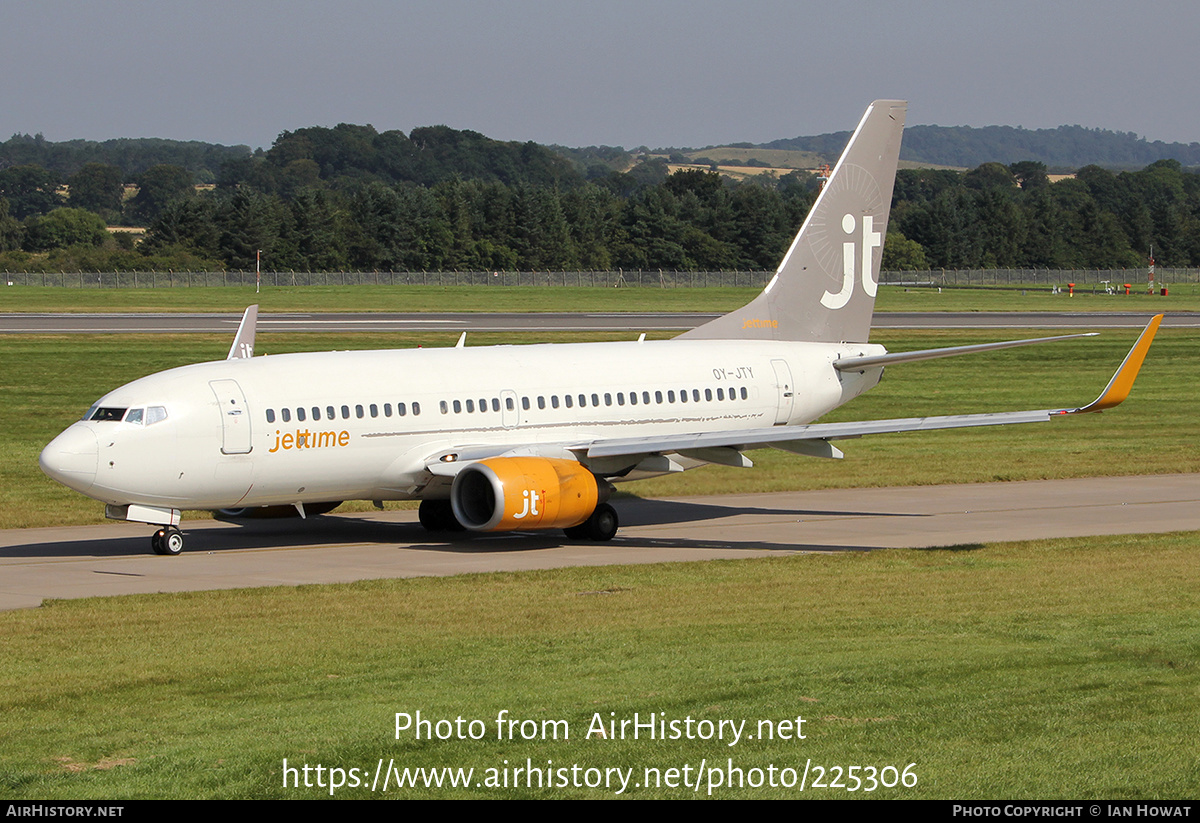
[506,493]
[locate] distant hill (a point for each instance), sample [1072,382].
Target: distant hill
[1068,147]
[132,155]
[340,154]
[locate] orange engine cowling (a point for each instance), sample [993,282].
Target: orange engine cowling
[506,493]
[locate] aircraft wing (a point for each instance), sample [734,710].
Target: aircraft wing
[806,439]
[813,439]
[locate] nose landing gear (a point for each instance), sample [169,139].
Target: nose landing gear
[167,540]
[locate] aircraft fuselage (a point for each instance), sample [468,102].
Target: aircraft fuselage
[315,427]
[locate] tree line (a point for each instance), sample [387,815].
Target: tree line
[351,198]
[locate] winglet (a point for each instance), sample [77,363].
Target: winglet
[243,343]
[1118,388]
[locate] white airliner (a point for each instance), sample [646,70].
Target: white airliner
[527,437]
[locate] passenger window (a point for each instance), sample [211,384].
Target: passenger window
[720,393]
[300,414]
[646,398]
[633,398]
[374,410]
[358,411]
[345,412]
[607,399]
[670,395]
[495,404]
[508,404]
[743,392]
[595,400]
[658,397]
[569,400]
[525,403]
[331,412]
[416,408]
[316,413]
[400,410]
[683,396]
[387,409]
[445,409]
[583,401]
[470,406]
[458,407]
[541,402]
[620,398]
[708,394]
[696,395]
[554,401]
[270,415]
[286,414]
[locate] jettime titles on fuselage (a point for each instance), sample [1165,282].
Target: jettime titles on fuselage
[305,439]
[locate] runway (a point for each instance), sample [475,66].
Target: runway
[115,559]
[343,323]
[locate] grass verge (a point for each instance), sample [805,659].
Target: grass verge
[1046,669]
[554,299]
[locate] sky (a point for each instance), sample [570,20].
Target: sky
[604,72]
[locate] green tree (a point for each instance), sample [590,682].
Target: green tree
[157,187]
[989,176]
[97,187]
[312,236]
[65,227]
[1030,174]
[249,223]
[185,225]
[29,190]
[902,254]
[12,233]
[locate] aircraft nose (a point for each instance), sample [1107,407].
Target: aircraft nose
[71,458]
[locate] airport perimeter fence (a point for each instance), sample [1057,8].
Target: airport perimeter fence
[1084,280]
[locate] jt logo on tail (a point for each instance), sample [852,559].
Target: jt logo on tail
[871,240]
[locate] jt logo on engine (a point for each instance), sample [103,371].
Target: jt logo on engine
[531,501]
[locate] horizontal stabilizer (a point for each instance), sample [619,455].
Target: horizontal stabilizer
[858,363]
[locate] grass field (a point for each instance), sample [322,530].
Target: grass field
[535,299]
[1050,669]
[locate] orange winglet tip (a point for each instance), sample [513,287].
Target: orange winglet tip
[1118,388]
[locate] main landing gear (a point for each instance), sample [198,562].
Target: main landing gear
[601,526]
[167,540]
[438,516]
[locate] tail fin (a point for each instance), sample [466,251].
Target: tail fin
[824,289]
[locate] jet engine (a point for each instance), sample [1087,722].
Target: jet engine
[507,493]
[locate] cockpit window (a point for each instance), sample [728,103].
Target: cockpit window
[135,416]
[155,414]
[103,413]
